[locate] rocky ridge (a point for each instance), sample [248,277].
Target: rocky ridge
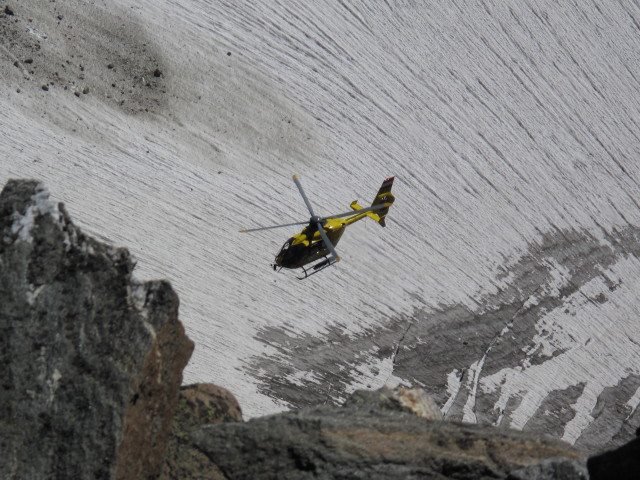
[90,359]
[200,404]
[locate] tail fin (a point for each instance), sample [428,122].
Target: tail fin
[384,196]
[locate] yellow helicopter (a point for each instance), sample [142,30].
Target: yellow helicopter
[318,239]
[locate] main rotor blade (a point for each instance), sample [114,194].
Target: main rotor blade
[327,242]
[304,197]
[273,226]
[362,210]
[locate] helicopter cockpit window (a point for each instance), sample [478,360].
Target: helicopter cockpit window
[285,247]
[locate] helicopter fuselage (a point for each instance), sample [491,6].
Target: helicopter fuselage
[307,246]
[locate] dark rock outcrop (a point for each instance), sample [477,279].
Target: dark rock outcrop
[409,400]
[552,469]
[370,439]
[90,360]
[199,404]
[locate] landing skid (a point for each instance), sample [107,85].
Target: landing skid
[327,262]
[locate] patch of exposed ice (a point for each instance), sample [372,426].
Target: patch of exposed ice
[453,387]
[468,411]
[532,301]
[633,402]
[302,378]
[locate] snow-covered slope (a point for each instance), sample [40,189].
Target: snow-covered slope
[505,282]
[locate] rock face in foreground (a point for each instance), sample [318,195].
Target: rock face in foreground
[370,439]
[409,400]
[622,463]
[200,404]
[90,360]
